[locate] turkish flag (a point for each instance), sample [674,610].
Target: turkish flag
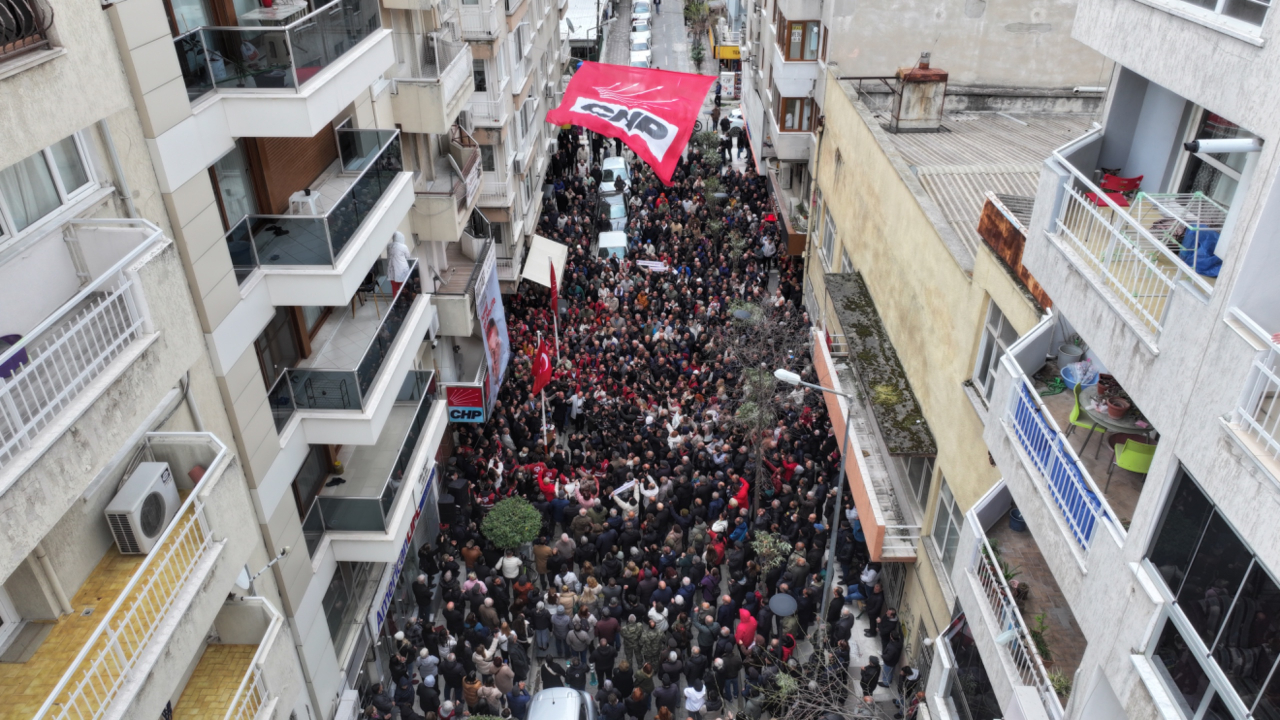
[652,111]
[541,366]
[555,289]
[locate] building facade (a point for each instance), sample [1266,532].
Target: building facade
[212,190]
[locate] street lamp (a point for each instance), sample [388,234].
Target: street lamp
[791,378]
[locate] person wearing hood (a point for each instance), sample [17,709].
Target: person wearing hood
[397,261]
[561,623]
[405,698]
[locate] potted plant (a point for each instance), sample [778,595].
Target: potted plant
[511,523]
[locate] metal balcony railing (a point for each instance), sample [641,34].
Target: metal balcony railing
[482,20]
[1021,649]
[246,59]
[374,155]
[1055,462]
[1132,257]
[1257,415]
[24,27]
[48,367]
[253,694]
[107,657]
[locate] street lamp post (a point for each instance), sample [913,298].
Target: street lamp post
[791,378]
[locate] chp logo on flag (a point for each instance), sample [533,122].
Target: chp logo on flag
[652,111]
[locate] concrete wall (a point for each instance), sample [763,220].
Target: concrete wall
[112,409]
[1023,44]
[932,303]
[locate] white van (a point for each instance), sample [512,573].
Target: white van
[611,244]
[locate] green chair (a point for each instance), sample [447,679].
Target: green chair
[1076,422]
[1130,452]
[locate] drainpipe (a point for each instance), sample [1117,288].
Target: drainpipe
[191,402]
[122,183]
[54,583]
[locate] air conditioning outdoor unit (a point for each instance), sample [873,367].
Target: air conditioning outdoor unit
[464,121]
[550,91]
[517,167]
[142,509]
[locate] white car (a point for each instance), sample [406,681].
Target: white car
[641,11]
[644,35]
[640,60]
[641,48]
[612,169]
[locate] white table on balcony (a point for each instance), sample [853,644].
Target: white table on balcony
[300,203]
[276,15]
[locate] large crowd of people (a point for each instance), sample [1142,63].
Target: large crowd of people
[644,588]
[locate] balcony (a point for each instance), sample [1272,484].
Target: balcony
[285,81]
[441,85]
[1255,423]
[490,109]
[365,517]
[74,306]
[252,655]
[1007,591]
[789,146]
[455,296]
[482,20]
[792,207]
[133,610]
[508,269]
[359,359]
[442,206]
[497,194]
[321,259]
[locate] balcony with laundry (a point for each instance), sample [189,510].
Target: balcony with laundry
[313,241]
[363,510]
[278,68]
[1143,208]
[447,188]
[440,82]
[343,391]
[92,635]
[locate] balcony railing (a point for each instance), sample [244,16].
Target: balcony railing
[1257,415]
[108,656]
[374,155]
[345,389]
[1072,488]
[509,268]
[48,367]
[24,27]
[481,21]
[1021,649]
[1131,256]
[486,109]
[371,513]
[253,694]
[519,74]
[445,62]
[273,58]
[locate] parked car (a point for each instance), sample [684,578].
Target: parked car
[562,704]
[640,60]
[640,46]
[641,27]
[608,244]
[611,169]
[641,11]
[613,205]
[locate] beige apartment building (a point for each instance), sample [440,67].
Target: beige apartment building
[203,194]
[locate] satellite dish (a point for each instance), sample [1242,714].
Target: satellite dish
[570,24]
[242,580]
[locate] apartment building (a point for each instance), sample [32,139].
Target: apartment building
[212,189]
[787,46]
[128,539]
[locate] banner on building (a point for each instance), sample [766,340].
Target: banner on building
[466,403]
[652,111]
[493,329]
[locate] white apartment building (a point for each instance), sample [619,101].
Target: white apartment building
[787,45]
[210,189]
[1168,287]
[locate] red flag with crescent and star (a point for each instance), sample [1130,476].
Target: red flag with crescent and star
[541,366]
[652,111]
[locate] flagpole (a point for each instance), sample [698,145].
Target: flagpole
[544,400]
[555,321]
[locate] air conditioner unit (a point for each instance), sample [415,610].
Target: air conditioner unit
[517,167]
[464,121]
[550,91]
[142,509]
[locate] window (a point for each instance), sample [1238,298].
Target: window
[947,520]
[278,346]
[1225,602]
[488,162]
[233,183]
[1216,175]
[846,264]
[24,27]
[342,601]
[795,114]
[36,186]
[918,472]
[310,478]
[828,239]
[477,72]
[1249,11]
[997,336]
[799,39]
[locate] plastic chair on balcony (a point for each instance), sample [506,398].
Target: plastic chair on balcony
[1116,189]
[1076,413]
[1131,452]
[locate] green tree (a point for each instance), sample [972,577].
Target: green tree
[511,523]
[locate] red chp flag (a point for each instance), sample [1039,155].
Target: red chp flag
[541,367]
[555,289]
[652,111]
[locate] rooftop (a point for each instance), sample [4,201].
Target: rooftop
[978,152]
